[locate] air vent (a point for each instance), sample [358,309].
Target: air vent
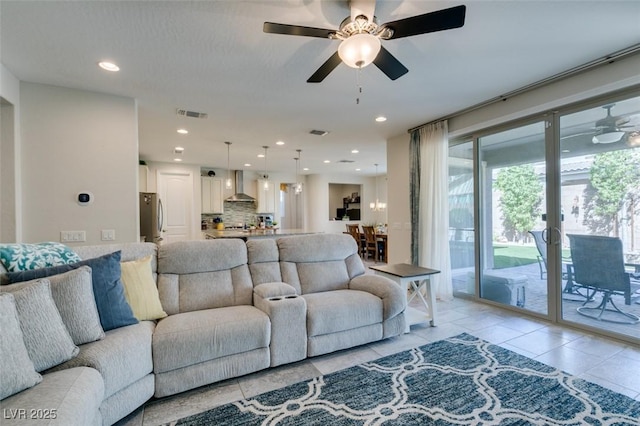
[346,161]
[318,132]
[192,114]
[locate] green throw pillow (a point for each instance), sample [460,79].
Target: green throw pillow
[24,257]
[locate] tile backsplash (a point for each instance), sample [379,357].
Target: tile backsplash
[235,213]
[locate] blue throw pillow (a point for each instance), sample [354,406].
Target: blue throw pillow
[108,290]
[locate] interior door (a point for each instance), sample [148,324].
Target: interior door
[175,190]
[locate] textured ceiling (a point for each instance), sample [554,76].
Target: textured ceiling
[212,57]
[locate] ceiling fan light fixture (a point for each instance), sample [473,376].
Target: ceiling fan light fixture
[359,50]
[611,137]
[634,139]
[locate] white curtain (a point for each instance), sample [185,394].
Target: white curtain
[434,206]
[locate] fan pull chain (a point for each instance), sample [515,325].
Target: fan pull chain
[358,85]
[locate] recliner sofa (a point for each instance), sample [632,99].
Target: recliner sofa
[233,308]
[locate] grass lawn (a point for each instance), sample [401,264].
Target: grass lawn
[508,256]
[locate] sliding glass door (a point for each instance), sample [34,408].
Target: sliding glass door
[550,208]
[600,196]
[513,270]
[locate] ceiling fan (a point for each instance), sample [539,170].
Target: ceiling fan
[361,36]
[609,129]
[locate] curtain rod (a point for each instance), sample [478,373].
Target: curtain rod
[608,59]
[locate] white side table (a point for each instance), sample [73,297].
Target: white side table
[416,277]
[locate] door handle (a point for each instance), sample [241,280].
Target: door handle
[558,240]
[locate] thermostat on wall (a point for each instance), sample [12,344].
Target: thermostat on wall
[85,198]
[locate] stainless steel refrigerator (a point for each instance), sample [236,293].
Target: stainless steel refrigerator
[150,217]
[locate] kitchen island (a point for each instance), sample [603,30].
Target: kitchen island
[246,234]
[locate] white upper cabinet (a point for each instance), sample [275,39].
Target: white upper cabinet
[212,196]
[143,178]
[266,198]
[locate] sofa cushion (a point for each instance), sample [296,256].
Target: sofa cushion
[122,357]
[140,289]
[23,257]
[334,311]
[16,369]
[45,335]
[113,308]
[68,398]
[197,275]
[73,294]
[190,338]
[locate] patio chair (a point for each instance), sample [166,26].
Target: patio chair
[542,252]
[570,287]
[598,265]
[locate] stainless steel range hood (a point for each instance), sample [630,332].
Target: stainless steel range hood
[240,195]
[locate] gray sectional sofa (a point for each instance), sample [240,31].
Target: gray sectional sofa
[233,308]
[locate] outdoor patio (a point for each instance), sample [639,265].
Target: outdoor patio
[535,297]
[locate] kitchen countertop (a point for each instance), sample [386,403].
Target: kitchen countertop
[253,233]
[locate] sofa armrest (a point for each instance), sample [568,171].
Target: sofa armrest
[288,316]
[275,289]
[393,301]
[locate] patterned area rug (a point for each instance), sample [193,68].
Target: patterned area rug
[461,380]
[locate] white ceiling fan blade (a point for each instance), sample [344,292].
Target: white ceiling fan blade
[362,7]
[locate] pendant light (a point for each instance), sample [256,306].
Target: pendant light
[227,183]
[265,176]
[298,185]
[377,206]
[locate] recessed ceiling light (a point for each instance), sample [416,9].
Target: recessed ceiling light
[280,143]
[177,159]
[260,155]
[357,170]
[381,119]
[183,131]
[247,164]
[306,169]
[354,151]
[178,149]
[327,161]
[108,66]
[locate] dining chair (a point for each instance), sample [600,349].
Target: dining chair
[598,265]
[371,245]
[354,231]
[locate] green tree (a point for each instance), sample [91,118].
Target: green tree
[613,177]
[520,199]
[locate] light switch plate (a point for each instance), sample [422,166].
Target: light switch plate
[73,236]
[108,235]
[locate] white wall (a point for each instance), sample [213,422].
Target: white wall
[599,81]
[399,227]
[73,141]
[10,220]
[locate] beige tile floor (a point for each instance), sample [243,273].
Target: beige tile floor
[610,363]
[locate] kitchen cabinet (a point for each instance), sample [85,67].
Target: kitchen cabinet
[266,198]
[143,178]
[212,196]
